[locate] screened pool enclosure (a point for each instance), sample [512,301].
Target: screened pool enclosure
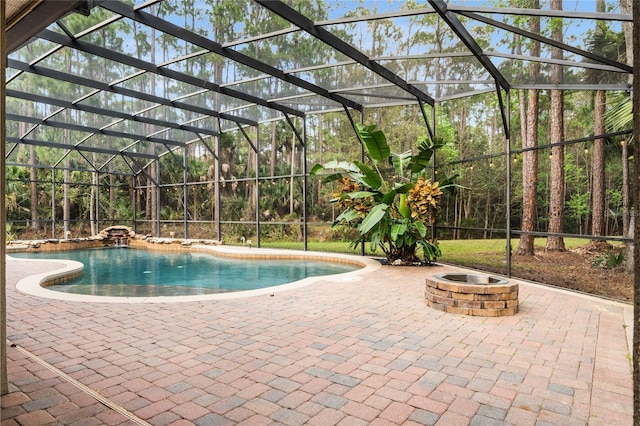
[202,119]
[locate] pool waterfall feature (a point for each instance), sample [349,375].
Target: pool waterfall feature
[118,236]
[472,294]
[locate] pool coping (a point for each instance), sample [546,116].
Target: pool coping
[35,285]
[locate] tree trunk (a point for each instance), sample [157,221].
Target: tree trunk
[112,193]
[251,185]
[33,172]
[625,7]
[66,204]
[92,203]
[486,214]
[530,158]
[153,200]
[597,166]
[522,98]
[33,176]
[147,199]
[635,356]
[274,150]
[629,249]
[456,216]
[556,195]
[155,167]
[138,194]
[292,179]
[597,156]
[529,177]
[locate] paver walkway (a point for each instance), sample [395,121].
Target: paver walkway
[364,352]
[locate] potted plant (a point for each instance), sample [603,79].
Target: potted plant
[390,203]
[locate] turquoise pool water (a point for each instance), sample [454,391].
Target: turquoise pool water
[129,272]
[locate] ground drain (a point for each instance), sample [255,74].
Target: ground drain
[115,407]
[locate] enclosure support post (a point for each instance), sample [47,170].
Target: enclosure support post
[508,188]
[257,164]
[635,352]
[217,172]
[53,203]
[303,141]
[304,183]
[4,381]
[157,206]
[184,193]
[97,206]
[362,250]
[505,112]
[434,171]
[431,129]
[134,203]
[257,185]
[353,126]
[216,188]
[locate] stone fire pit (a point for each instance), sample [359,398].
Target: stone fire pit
[471,294]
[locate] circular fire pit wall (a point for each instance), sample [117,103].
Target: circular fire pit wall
[472,294]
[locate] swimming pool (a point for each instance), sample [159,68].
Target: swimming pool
[127,272]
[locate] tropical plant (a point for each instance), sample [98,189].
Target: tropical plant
[11,236]
[619,118]
[392,216]
[612,259]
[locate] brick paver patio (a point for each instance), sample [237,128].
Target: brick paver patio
[363,352]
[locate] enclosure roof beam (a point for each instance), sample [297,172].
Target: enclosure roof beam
[535,148]
[599,59]
[89,129]
[339,21]
[295,130]
[70,78]
[105,112]
[381,96]
[206,145]
[140,169]
[503,111]
[543,12]
[454,23]
[111,55]
[430,129]
[48,167]
[563,62]
[573,86]
[82,148]
[340,45]
[215,47]
[352,61]
[173,155]
[248,139]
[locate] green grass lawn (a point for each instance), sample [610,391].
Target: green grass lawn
[330,246]
[490,252]
[453,251]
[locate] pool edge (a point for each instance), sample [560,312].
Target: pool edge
[35,285]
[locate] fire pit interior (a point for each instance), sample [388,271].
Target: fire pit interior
[472,294]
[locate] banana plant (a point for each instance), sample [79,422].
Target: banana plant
[390,202]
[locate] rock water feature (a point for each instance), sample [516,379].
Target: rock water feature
[118,236]
[471,294]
